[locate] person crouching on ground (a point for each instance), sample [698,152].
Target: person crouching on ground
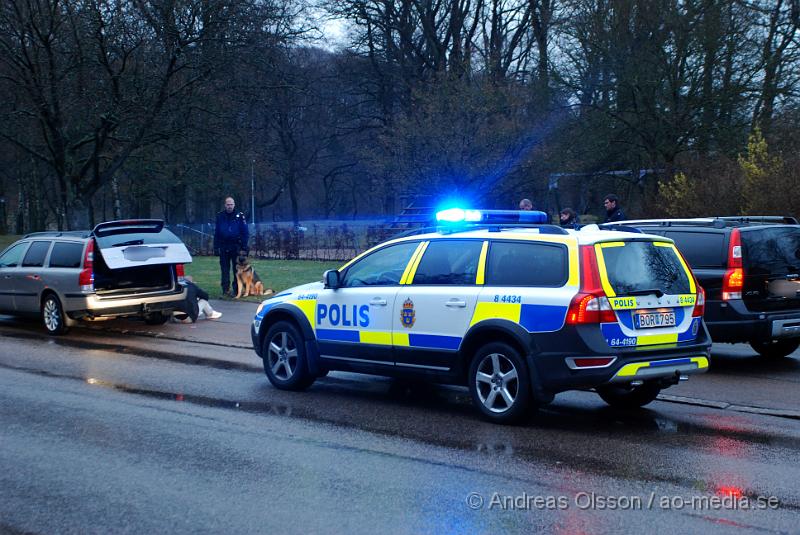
[196,304]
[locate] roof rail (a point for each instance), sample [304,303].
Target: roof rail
[58,234]
[715,222]
[784,219]
[620,228]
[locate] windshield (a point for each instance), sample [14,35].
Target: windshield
[634,267]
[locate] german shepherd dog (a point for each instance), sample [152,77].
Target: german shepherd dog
[247,279]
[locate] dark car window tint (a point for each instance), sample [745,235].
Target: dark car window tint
[450,262]
[12,257]
[36,254]
[701,249]
[137,238]
[771,250]
[640,266]
[384,267]
[526,264]
[66,255]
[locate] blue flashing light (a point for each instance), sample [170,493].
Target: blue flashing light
[460,215]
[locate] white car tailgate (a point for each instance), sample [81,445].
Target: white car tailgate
[136,243]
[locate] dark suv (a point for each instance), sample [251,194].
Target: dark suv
[750,270]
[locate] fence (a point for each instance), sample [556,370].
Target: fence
[324,240]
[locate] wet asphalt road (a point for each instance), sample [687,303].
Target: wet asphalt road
[104,434]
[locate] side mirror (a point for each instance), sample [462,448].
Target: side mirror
[331,278]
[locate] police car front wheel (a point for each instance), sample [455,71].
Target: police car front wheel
[285,361]
[499,383]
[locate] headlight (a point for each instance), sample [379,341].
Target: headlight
[260,308]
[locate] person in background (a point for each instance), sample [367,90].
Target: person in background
[613,210]
[525,204]
[568,218]
[230,237]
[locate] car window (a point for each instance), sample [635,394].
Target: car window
[450,262]
[383,267]
[527,264]
[771,250]
[136,238]
[66,255]
[12,257]
[642,265]
[701,249]
[36,254]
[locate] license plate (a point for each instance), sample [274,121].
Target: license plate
[649,320]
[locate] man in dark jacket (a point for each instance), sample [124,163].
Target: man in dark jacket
[613,210]
[230,237]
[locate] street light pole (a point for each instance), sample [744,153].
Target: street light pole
[253,193]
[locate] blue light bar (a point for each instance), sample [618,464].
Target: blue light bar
[459,215]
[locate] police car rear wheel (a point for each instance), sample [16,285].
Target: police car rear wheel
[499,383]
[285,360]
[629,397]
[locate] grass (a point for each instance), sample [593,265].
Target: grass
[275,274]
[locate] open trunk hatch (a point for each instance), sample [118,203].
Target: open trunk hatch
[139,243]
[771,259]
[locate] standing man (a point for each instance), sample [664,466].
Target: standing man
[230,237]
[525,204]
[613,210]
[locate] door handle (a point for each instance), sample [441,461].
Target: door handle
[378,302]
[456,303]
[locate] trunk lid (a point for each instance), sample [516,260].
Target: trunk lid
[651,291]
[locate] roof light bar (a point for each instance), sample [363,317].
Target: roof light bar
[459,215]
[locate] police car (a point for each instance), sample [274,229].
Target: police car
[516,309]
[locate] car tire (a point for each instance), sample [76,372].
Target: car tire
[775,349]
[285,358]
[629,397]
[499,383]
[53,316]
[156,318]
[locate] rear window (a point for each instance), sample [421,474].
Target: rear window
[66,255]
[771,250]
[642,265]
[701,249]
[36,254]
[450,262]
[136,238]
[526,264]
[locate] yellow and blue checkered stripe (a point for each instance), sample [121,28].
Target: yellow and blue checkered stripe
[532,317]
[427,341]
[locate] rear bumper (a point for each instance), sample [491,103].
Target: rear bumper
[732,322]
[551,371]
[91,306]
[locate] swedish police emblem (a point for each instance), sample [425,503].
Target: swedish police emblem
[407,315]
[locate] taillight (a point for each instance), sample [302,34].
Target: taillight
[86,277]
[179,273]
[700,304]
[591,304]
[733,281]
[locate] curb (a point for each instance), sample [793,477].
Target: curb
[780,413]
